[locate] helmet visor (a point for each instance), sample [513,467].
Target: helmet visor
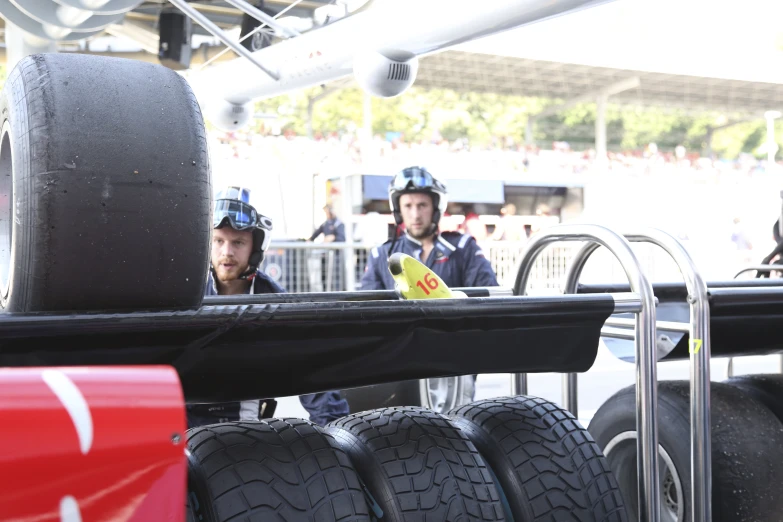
[412,178]
[240,215]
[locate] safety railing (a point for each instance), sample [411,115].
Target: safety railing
[646,372]
[759,269]
[303,267]
[699,334]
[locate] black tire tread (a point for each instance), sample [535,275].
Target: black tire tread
[559,469]
[766,388]
[87,153]
[746,440]
[276,469]
[431,469]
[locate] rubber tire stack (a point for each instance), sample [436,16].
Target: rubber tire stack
[418,465]
[747,447]
[277,469]
[542,454]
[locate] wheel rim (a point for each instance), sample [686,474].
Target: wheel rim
[621,455]
[441,394]
[6,210]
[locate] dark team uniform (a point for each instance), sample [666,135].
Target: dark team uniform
[456,258]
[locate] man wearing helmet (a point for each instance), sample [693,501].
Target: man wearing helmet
[418,200]
[239,240]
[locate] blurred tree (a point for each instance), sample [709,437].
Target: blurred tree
[486,119]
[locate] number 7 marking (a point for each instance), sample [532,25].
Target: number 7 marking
[695,345]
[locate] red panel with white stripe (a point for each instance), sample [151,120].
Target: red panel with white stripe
[92,444]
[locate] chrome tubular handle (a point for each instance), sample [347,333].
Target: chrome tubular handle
[646,371]
[699,335]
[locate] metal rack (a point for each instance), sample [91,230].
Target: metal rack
[699,335]
[646,372]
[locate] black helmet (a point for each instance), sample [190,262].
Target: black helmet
[417,180]
[233,209]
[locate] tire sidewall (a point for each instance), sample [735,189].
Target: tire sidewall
[618,415]
[15,126]
[502,469]
[370,471]
[765,388]
[197,487]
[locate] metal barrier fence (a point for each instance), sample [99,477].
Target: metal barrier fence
[322,267]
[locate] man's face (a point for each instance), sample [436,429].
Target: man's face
[231,251]
[417,210]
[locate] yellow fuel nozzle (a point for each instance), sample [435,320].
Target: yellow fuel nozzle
[415,281]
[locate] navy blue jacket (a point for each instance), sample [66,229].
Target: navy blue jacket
[455,257]
[322,407]
[331,227]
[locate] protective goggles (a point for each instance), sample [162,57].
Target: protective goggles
[240,215]
[413,178]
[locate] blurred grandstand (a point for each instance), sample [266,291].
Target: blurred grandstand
[695,198]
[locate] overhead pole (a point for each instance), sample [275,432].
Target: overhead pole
[772,146]
[600,129]
[601,97]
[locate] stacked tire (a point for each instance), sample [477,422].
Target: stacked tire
[746,441]
[514,458]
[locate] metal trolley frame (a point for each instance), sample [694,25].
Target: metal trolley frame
[644,336]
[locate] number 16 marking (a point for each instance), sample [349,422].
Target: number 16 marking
[695,345]
[431,282]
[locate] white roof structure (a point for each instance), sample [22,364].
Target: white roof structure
[694,54]
[478,72]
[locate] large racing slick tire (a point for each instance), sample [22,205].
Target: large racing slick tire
[276,469]
[104,186]
[439,394]
[547,464]
[747,452]
[766,388]
[419,466]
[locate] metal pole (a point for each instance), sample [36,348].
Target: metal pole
[310,133]
[770,140]
[772,146]
[646,370]
[207,24]
[570,393]
[518,384]
[700,353]
[662,325]
[263,17]
[600,130]
[349,263]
